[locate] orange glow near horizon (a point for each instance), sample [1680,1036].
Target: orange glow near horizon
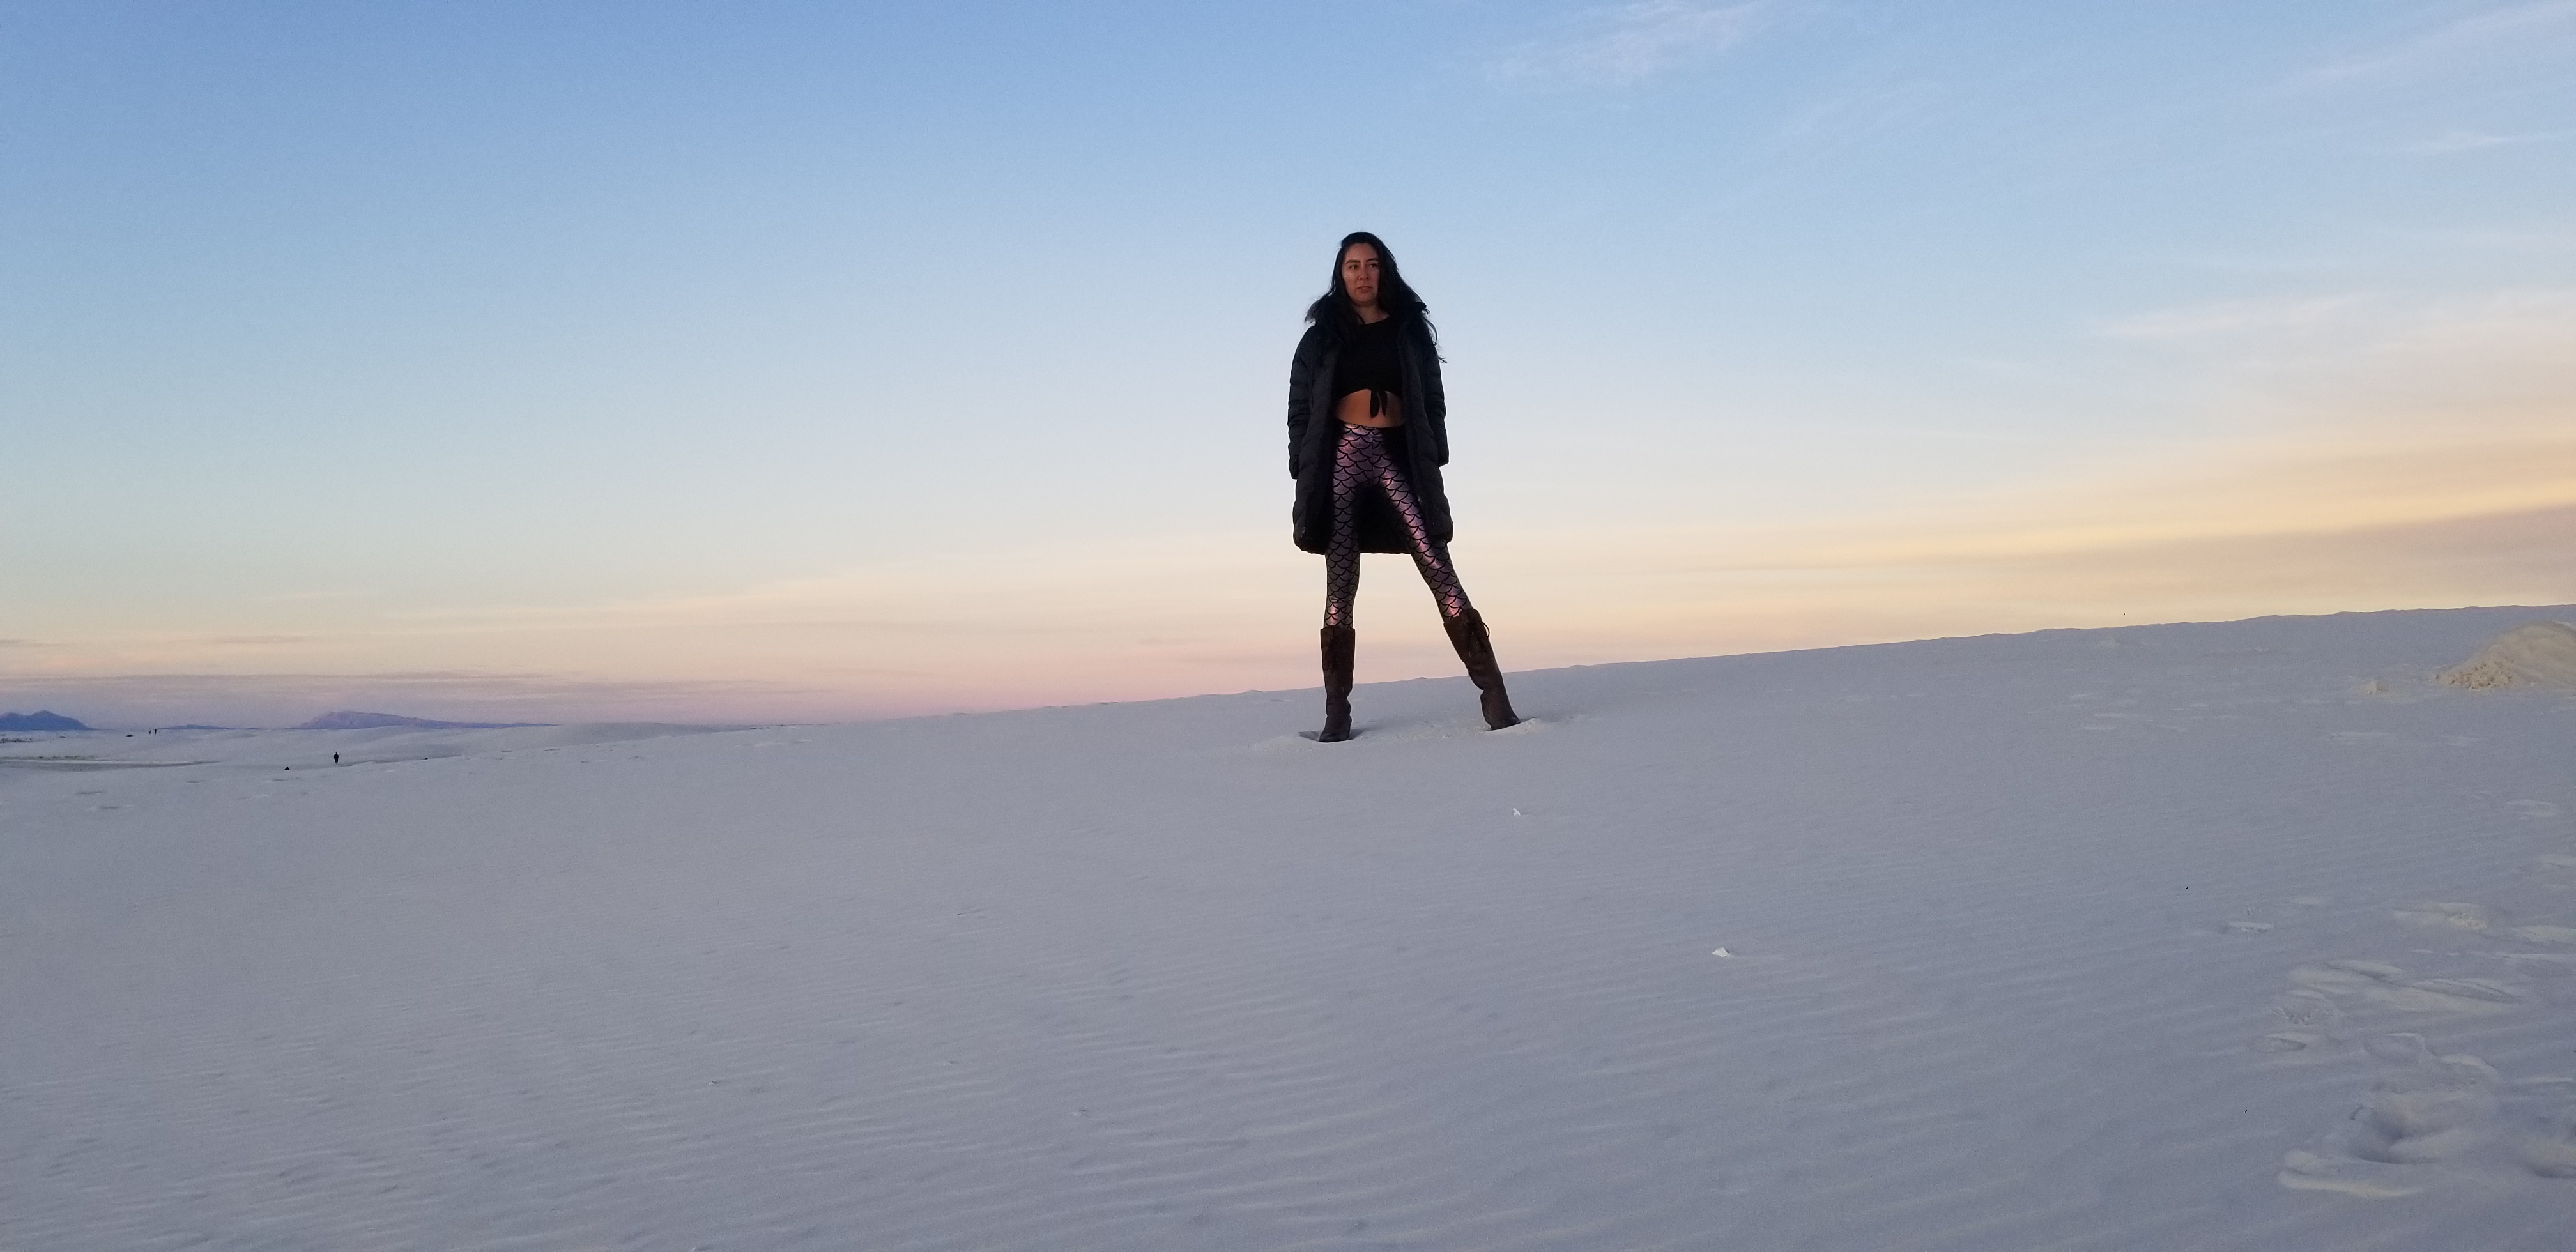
[2431,479]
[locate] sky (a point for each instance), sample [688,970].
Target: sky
[771,361]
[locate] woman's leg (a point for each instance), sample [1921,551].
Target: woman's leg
[1430,556]
[1356,458]
[1465,625]
[1342,576]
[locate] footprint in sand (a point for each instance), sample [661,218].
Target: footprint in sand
[2306,1008]
[2263,918]
[2549,1150]
[2431,1117]
[2551,1158]
[2475,918]
[2308,1171]
[2291,1041]
[2424,1107]
[2377,983]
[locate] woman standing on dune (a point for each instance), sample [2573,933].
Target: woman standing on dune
[1367,435]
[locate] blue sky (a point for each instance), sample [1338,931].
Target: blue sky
[809,360]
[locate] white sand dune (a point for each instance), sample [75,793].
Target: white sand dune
[2534,654]
[2200,936]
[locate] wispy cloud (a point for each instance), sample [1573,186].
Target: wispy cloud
[289,597]
[2545,28]
[2488,351]
[2545,237]
[2456,339]
[2451,142]
[1628,44]
[2238,317]
[1860,114]
[2282,526]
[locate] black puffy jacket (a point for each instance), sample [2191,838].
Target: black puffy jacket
[1421,445]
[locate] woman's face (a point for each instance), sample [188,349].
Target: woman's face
[1359,274]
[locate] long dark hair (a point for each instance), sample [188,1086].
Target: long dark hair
[1333,311]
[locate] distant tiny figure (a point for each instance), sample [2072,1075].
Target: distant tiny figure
[335,758]
[1367,434]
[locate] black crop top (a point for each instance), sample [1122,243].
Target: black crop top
[1369,363]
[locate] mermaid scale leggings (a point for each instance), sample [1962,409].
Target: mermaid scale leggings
[1360,462]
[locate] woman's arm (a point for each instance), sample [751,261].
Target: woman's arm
[1434,410]
[1301,386]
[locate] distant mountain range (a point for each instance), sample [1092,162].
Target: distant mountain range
[41,719]
[351,719]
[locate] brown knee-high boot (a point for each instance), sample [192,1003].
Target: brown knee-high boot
[1476,648]
[1339,644]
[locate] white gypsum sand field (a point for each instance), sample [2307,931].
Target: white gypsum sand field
[2244,935]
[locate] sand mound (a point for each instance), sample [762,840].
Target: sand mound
[2534,654]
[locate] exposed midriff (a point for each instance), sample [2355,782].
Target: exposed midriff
[1354,409]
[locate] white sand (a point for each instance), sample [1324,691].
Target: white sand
[2230,936]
